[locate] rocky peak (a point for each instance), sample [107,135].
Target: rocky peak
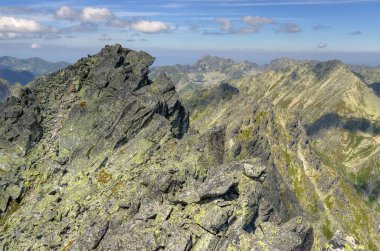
[210,63]
[90,108]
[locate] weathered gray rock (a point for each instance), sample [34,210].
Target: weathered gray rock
[341,242]
[14,191]
[4,200]
[113,167]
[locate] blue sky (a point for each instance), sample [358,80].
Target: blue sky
[181,31]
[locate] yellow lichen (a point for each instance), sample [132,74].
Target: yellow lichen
[103,176]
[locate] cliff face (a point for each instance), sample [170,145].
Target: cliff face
[97,156]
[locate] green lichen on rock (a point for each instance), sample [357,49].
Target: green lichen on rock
[103,158]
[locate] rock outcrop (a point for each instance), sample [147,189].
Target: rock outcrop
[99,157]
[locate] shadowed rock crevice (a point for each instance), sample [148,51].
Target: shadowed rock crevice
[376,88]
[115,168]
[333,120]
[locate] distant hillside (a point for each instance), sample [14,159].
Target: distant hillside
[36,66]
[370,74]
[22,77]
[282,63]
[341,113]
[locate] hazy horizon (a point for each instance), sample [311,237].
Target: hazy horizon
[182,31]
[167,58]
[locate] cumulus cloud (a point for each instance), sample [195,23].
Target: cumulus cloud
[257,20]
[321,46]
[20,25]
[355,33]
[321,27]
[92,14]
[253,24]
[91,17]
[289,28]
[87,14]
[67,13]
[149,27]
[104,38]
[35,46]
[225,23]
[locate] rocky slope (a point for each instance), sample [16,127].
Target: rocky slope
[341,114]
[282,63]
[338,111]
[99,157]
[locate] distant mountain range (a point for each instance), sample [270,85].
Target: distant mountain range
[206,71]
[23,71]
[338,103]
[36,66]
[279,157]
[284,156]
[211,70]
[22,77]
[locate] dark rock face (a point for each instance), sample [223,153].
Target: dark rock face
[4,90]
[376,88]
[98,157]
[20,121]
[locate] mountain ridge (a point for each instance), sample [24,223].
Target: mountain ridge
[99,156]
[35,65]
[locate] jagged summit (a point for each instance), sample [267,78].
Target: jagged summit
[97,156]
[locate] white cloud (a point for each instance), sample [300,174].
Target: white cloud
[66,12]
[20,25]
[257,20]
[87,14]
[321,46]
[35,46]
[92,14]
[225,23]
[149,26]
[104,38]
